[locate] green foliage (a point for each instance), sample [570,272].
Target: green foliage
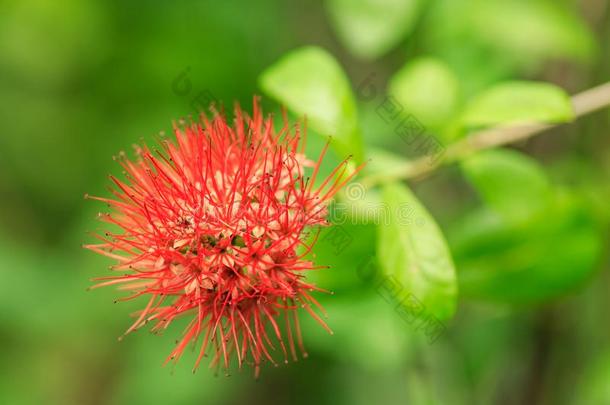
[66,32]
[412,248]
[428,89]
[146,381]
[532,262]
[594,388]
[526,32]
[514,185]
[533,244]
[527,232]
[370,28]
[342,248]
[367,332]
[382,161]
[489,41]
[518,103]
[310,82]
[533,29]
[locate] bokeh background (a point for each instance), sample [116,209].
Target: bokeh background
[82,80]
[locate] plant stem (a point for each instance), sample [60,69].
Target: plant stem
[584,103]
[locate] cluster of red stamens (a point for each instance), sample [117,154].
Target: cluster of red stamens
[214,225]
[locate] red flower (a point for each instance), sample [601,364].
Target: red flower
[213,226]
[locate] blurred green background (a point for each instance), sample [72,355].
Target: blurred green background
[82,80]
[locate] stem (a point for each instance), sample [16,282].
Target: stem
[534,385]
[584,103]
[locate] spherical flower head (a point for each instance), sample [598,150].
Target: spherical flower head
[213,225]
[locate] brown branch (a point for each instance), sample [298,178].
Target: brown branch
[584,103]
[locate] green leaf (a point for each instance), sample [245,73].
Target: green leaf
[511,183]
[310,82]
[527,263]
[538,28]
[370,28]
[594,387]
[411,247]
[343,247]
[488,40]
[382,161]
[428,89]
[449,34]
[519,102]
